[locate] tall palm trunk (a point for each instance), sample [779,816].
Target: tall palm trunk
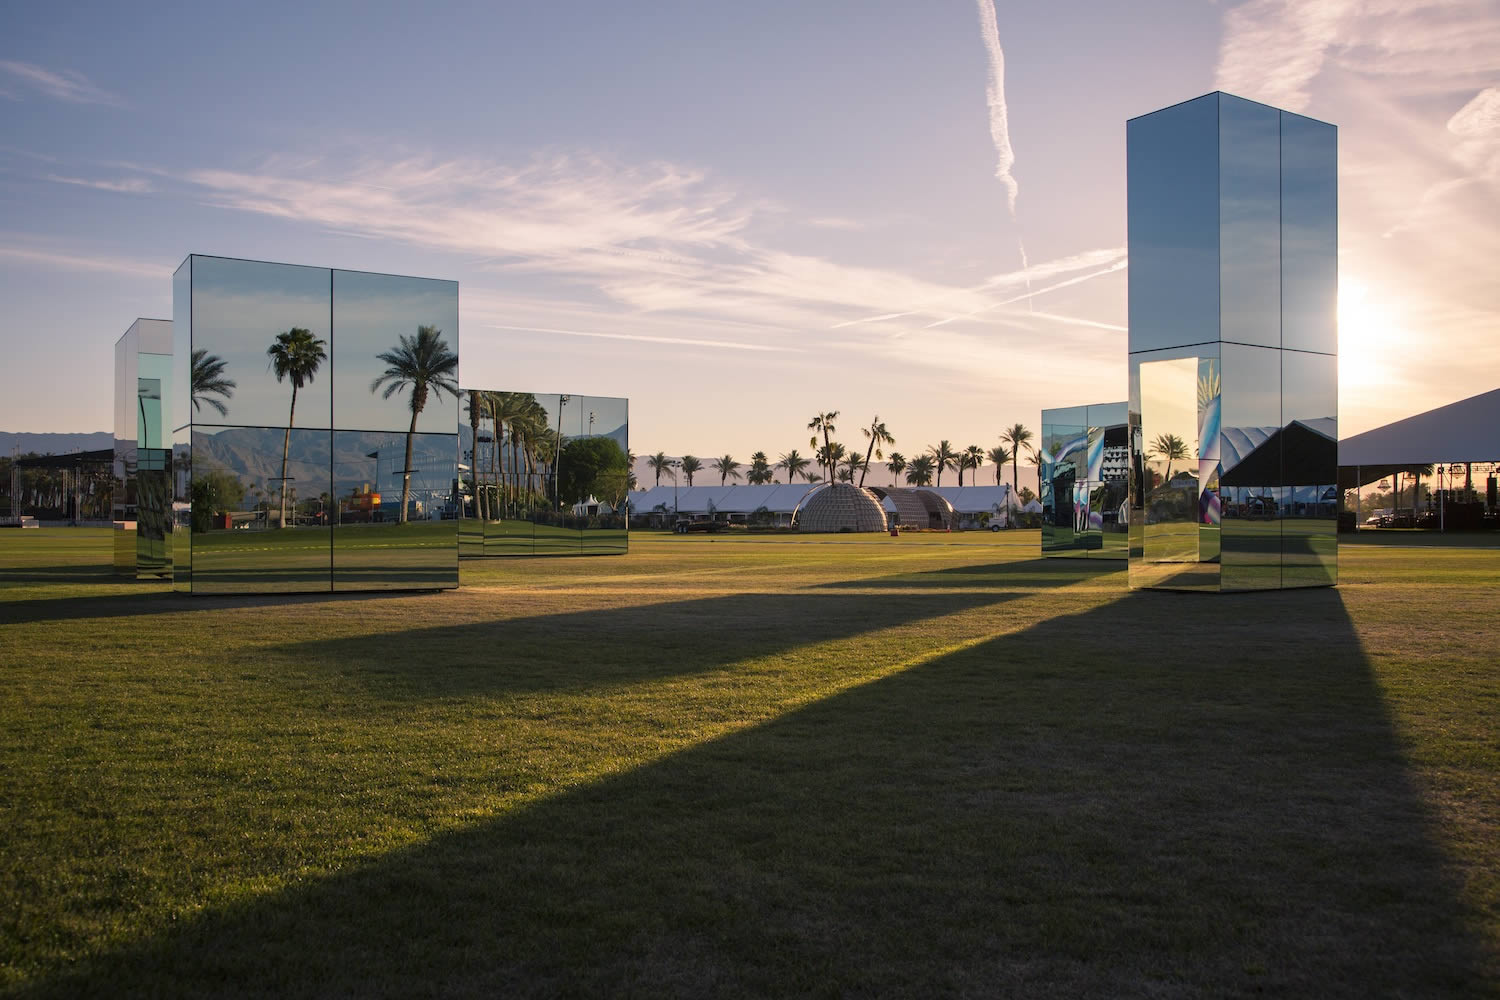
[406,469]
[286,445]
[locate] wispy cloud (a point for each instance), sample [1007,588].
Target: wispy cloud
[62,85]
[126,185]
[54,260]
[1273,49]
[645,338]
[1005,156]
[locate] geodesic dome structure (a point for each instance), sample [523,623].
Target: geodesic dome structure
[840,507]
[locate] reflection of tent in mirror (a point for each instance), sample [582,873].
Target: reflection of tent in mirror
[1302,453]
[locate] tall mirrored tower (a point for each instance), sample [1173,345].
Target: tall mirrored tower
[1233,347]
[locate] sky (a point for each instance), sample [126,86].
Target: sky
[737,215]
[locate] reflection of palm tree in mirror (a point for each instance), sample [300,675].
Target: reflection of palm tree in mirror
[794,464]
[295,356]
[660,463]
[689,465]
[209,381]
[478,405]
[1016,436]
[896,465]
[424,365]
[727,468]
[998,456]
[1169,447]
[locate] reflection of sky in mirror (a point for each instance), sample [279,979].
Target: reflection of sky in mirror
[1173,210]
[239,307]
[1251,387]
[1250,214]
[1169,405]
[371,313]
[604,416]
[1309,389]
[1309,234]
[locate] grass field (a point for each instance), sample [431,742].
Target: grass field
[933,765]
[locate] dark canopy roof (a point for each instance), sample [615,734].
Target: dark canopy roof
[1296,455]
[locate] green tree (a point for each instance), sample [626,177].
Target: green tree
[213,492]
[919,471]
[999,455]
[295,357]
[1015,436]
[424,365]
[878,436]
[794,464]
[689,465]
[660,463]
[943,457]
[972,458]
[760,470]
[727,468]
[595,466]
[478,405]
[823,423]
[209,381]
[896,465]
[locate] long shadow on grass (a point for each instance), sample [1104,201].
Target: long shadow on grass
[158,600]
[1028,572]
[592,649]
[1162,796]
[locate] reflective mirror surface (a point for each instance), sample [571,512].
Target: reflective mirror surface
[323,446]
[1309,234]
[543,473]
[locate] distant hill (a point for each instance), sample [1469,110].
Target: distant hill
[54,444]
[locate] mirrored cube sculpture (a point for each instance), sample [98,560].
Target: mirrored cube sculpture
[141,493]
[1085,457]
[542,473]
[1233,347]
[316,446]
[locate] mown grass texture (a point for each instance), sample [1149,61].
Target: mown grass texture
[752,766]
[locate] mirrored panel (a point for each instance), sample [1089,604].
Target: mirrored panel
[1309,463]
[264,329]
[1250,222]
[1064,447]
[374,475]
[1309,234]
[153,487]
[259,517]
[1172,553]
[1172,164]
[122,497]
[543,473]
[394,353]
[1250,492]
[182,509]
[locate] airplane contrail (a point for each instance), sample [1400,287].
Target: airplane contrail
[989,30]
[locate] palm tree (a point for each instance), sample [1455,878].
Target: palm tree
[999,455]
[794,464]
[295,355]
[852,463]
[919,471]
[829,457]
[878,436]
[973,457]
[943,457]
[1016,436]
[760,470]
[823,422]
[660,463]
[690,465]
[1170,447]
[478,406]
[426,366]
[896,464]
[813,477]
[727,468]
[1034,456]
[209,381]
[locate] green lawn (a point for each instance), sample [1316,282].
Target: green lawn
[758,765]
